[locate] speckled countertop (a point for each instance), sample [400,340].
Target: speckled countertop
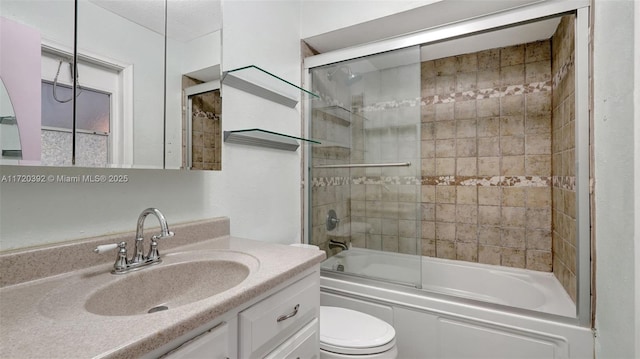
[45,317]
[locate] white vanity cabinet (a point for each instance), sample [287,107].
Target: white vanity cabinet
[268,323]
[281,323]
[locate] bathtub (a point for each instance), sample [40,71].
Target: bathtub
[453,309]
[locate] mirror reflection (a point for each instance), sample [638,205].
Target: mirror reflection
[129,78]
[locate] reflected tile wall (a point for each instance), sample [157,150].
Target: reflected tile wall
[206,138]
[486,157]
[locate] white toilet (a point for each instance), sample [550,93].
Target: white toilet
[348,334]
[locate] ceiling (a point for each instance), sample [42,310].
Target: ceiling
[186,19]
[429,16]
[521,34]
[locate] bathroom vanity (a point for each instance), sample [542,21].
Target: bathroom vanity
[212,293]
[283,324]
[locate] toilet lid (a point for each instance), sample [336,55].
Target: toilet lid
[347,331]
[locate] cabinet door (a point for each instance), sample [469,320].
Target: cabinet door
[303,344]
[212,344]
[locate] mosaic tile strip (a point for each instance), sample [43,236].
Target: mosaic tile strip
[330,181]
[400,180]
[503,181]
[564,182]
[390,105]
[478,94]
[481,94]
[563,71]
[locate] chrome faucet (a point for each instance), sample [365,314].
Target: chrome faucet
[337,244]
[153,249]
[138,260]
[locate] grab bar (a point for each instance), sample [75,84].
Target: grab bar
[356,165]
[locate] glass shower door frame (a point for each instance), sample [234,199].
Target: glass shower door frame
[368,118]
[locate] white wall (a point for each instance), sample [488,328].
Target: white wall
[263,185]
[33,214]
[617,181]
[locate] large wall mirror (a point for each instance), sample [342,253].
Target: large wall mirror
[139,67]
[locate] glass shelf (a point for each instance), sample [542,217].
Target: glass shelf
[259,82]
[326,143]
[264,138]
[12,153]
[336,111]
[8,120]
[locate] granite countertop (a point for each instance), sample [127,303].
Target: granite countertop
[43,318]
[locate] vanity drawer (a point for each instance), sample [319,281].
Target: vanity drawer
[211,344]
[303,344]
[265,325]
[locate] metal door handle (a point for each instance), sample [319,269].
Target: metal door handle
[287,316]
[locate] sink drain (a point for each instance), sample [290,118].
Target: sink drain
[158,309]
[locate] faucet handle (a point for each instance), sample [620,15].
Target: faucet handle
[121,259]
[105,248]
[153,254]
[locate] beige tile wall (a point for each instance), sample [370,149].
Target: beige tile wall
[486,157]
[496,153]
[563,160]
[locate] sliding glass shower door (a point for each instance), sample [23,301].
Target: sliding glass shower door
[365,176]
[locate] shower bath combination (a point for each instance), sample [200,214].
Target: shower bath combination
[446,166]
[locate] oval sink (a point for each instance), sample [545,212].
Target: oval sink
[166,286]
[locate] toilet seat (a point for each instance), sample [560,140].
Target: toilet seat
[346,331]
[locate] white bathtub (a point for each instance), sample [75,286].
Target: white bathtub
[513,287]
[463,310]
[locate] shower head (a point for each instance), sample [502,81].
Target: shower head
[351,76]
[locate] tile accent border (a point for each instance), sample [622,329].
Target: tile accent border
[481,94]
[492,181]
[563,71]
[564,182]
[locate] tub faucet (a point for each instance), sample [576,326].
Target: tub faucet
[337,244]
[138,260]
